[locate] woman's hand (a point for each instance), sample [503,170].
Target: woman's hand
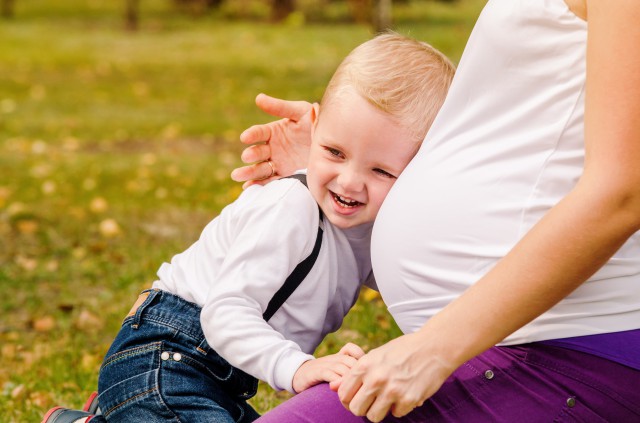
[396,377]
[326,369]
[285,142]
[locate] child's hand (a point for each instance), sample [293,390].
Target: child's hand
[351,350]
[326,369]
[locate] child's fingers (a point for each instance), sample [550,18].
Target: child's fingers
[351,350]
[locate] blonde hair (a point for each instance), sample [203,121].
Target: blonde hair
[406,78]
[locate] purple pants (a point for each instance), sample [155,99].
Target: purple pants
[531,383]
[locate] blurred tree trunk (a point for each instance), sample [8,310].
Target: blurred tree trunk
[361,10]
[132,15]
[197,7]
[376,13]
[382,18]
[7,8]
[280,9]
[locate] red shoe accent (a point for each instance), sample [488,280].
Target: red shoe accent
[49,413]
[89,402]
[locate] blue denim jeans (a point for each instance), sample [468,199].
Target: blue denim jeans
[161,369]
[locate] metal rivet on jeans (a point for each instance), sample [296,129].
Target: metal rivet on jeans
[164,356]
[489,374]
[177,357]
[571,402]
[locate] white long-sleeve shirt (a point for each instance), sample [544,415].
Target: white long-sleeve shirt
[244,256]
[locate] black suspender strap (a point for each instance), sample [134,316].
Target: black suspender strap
[299,273]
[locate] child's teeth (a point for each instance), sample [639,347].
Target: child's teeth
[346,201]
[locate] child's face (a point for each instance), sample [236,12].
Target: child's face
[357,152]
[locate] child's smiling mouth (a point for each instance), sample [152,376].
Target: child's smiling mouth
[344,201]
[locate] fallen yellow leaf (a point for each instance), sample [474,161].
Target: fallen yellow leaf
[27,226]
[44,324]
[98,205]
[370,295]
[109,228]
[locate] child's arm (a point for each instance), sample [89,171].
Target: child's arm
[326,369]
[267,232]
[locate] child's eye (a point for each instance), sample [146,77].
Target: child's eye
[384,173]
[334,152]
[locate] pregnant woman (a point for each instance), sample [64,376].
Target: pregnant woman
[508,250]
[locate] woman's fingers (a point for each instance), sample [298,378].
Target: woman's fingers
[277,148]
[397,376]
[256,153]
[349,386]
[402,408]
[361,403]
[257,173]
[378,409]
[256,133]
[376,400]
[293,110]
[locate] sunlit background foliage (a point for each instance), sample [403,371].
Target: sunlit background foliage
[116,142]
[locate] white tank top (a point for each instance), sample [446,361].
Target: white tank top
[507,145]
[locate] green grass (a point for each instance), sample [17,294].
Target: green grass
[115,150]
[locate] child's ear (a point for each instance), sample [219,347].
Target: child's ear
[315,112]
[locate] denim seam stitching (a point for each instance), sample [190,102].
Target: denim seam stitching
[112,409]
[169,322]
[132,352]
[186,359]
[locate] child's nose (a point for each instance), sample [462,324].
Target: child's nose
[351,181]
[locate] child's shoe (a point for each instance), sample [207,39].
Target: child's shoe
[66,415]
[91,404]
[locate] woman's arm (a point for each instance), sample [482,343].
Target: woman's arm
[284,142]
[564,249]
